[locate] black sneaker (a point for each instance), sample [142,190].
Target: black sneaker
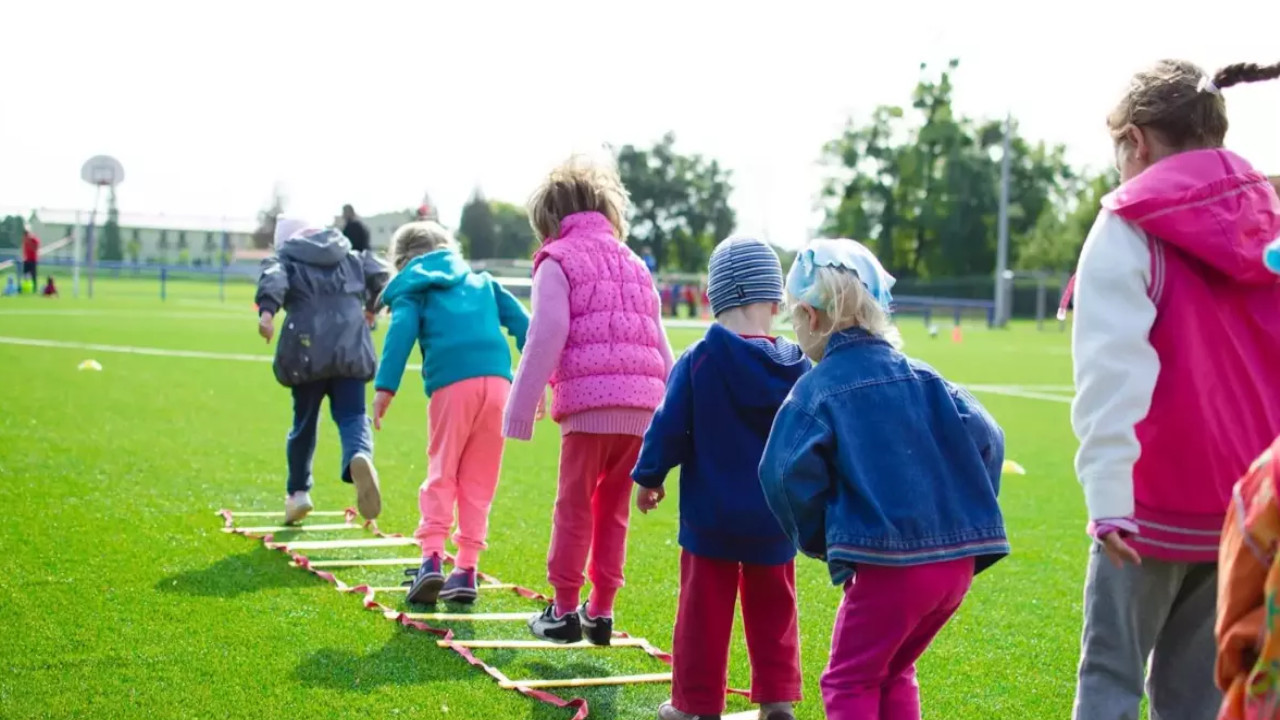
[599,631]
[460,587]
[564,630]
[427,581]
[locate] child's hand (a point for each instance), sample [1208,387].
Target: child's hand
[267,326]
[648,498]
[369,319]
[1118,551]
[381,401]
[541,412]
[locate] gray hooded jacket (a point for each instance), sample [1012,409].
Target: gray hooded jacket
[325,288]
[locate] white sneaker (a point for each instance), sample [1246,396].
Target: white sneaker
[297,506]
[368,494]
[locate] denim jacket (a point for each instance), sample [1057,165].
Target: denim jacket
[875,458]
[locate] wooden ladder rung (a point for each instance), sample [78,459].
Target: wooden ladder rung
[540,644]
[587,682]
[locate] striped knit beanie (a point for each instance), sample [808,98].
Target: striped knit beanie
[743,271]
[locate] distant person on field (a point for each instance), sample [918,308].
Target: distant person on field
[10,286]
[354,228]
[650,260]
[325,350]
[1176,336]
[720,402]
[50,290]
[30,258]
[456,317]
[596,335]
[879,466]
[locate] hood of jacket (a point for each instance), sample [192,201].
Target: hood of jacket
[1211,204]
[325,247]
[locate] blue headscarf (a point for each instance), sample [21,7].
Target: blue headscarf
[842,253]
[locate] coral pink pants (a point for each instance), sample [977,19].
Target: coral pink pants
[593,508]
[464,457]
[709,589]
[886,622]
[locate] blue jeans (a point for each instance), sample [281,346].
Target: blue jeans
[346,405]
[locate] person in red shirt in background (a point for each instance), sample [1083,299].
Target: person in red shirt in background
[30,254]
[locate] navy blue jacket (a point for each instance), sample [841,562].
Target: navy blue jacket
[876,459]
[721,399]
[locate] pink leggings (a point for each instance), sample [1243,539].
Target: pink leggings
[593,509]
[886,622]
[464,457]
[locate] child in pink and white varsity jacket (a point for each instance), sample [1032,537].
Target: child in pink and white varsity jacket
[596,336]
[1177,328]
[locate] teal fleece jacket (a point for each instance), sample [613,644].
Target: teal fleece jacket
[456,316]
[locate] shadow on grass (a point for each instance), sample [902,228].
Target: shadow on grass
[410,657]
[235,575]
[602,701]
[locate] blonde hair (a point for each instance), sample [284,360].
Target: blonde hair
[847,304]
[579,185]
[418,238]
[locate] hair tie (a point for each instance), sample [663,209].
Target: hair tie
[1206,85]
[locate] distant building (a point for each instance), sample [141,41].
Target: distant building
[154,239]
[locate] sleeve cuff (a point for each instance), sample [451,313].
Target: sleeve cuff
[384,389]
[518,429]
[653,482]
[1099,529]
[267,307]
[1108,497]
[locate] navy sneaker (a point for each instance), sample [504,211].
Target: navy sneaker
[562,629]
[599,630]
[427,581]
[460,587]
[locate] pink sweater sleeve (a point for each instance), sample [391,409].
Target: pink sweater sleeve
[548,333]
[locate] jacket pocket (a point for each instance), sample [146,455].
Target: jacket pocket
[294,353]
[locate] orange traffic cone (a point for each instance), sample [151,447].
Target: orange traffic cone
[956,335]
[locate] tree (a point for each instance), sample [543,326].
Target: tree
[514,235]
[163,246]
[477,229]
[133,248]
[924,190]
[1054,243]
[111,247]
[11,231]
[264,236]
[210,247]
[679,203]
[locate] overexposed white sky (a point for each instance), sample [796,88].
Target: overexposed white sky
[209,104]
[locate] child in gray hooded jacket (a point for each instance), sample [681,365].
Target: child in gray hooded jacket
[325,350]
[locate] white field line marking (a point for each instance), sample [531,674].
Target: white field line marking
[1029,392]
[155,352]
[78,312]
[1018,393]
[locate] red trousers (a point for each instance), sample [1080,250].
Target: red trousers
[704,623]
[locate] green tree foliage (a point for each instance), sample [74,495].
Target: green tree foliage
[477,228]
[264,236]
[111,248]
[514,236]
[679,203]
[922,185]
[210,247]
[11,231]
[1054,243]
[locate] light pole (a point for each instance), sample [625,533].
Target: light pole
[1002,238]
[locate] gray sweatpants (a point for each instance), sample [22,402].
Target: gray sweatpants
[1158,610]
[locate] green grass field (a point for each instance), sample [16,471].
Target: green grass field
[121,597]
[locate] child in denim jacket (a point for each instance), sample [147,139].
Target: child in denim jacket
[882,468]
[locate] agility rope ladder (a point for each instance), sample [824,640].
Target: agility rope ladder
[532,687]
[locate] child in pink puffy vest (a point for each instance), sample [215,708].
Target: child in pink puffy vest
[596,336]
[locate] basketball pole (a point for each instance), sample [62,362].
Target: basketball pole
[91,249]
[75,258]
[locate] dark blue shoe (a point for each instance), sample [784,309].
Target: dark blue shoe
[460,587]
[427,581]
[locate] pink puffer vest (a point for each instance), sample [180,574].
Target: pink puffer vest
[612,357]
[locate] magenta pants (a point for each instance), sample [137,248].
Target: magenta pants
[886,622]
[464,458]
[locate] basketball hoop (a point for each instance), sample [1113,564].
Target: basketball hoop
[102,171]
